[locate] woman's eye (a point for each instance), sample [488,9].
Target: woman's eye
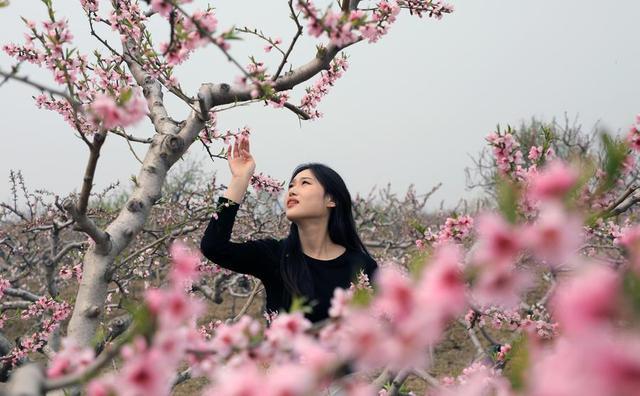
[305,182]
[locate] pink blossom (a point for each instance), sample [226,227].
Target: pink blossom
[555,235]
[499,242]
[113,115]
[4,284]
[554,181]
[500,286]
[89,5]
[595,364]
[70,359]
[340,302]
[441,287]
[287,326]
[146,373]
[630,239]
[314,355]
[364,339]
[327,79]
[476,380]
[633,137]
[262,182]
[172,306]
[395,298]
[587,301]
[289,380]
[100,387]
[185,264]
[162,7]
[242,380]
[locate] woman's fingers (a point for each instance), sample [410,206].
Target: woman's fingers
[240,148]
[247,144]
[236,149]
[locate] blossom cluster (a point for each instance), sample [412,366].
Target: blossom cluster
[346,27]
[189,34]
[327,78]
[633,137]
[53,313]
[4,284]
[261,182]
[454,229]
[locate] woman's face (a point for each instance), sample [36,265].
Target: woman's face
[306,198]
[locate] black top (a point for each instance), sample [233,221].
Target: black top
[261,258]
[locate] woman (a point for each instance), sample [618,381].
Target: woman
[322,251]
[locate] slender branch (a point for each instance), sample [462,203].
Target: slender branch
[131,137]
[15,305]
[247,304]
[474,339]
[66,249]
[21,293]
[110,352]
[84,223]
[621,209]
[428,378]
[399,379]
[41,87]
[294,16]
[301,113]
[90,170]
[260,35]
[382,379]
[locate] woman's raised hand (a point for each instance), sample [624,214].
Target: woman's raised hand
[240,160]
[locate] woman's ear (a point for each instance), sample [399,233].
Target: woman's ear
[331,203]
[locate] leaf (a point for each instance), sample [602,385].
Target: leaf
[125,96]
[361,298]
[143,321]
[416,225]
[517,362]
[299,304]
[631,290]
[615,153]
[508,194]
[417,262]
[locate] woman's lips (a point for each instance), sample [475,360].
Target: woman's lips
[291,202]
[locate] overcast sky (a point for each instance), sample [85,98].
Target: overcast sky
[410,109]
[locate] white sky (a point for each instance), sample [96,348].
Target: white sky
[411,108]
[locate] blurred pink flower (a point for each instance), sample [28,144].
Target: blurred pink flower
[500,286]
[499,242]
[441,288]
[185,263]
[554,181]
[395,298]
[630,239]
[555,235]
[587,301]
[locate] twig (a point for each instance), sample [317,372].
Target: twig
[247,304]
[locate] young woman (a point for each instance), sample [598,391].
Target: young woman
[321,252]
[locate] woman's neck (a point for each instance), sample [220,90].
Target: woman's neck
[315,240]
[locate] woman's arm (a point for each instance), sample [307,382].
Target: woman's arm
[251,257]
[256,257]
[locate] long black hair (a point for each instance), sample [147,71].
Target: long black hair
[341,227]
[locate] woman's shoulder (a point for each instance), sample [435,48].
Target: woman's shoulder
[363,261]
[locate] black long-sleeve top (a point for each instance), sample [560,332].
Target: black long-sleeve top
[261,258]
